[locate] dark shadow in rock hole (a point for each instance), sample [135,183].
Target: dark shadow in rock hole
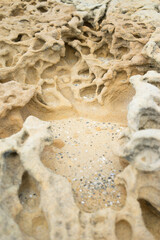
[151,217]
[31,219]
[12,168]
[123,230]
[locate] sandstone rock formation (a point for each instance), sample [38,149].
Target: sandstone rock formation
[94,59]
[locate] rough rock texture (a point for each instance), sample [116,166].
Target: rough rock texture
[67,58]
[144,110]
[80,55]
[60,219]
[14,95]
[142,139]
[151,49]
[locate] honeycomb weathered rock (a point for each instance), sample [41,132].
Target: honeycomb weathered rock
[68,58]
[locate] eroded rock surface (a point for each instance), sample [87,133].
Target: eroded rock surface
[92,59]
[141,145]
[80,55]
[45,200]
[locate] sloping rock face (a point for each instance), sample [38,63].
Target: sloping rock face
[97,59]
[79,55]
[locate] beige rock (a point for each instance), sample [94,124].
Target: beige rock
[46,198]
[144,110]
[73,53]
[92,59]
[14,95]
[141,148]
[151,49]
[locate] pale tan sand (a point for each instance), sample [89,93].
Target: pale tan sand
[83,153]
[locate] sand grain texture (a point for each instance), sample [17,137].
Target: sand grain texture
[79,120]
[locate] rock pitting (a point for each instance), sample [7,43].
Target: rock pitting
[79,120]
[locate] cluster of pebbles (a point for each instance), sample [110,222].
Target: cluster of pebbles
[83,153]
